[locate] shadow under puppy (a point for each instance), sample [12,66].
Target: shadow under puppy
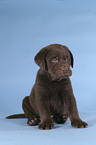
[51,99]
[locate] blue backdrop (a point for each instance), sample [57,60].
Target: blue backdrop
[25,27]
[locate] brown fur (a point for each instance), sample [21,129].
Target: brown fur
[51,99]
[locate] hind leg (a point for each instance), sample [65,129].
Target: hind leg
[33,119]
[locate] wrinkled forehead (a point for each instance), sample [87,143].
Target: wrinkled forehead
[58,52]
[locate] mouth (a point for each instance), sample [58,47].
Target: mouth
[60,78]
[66,76]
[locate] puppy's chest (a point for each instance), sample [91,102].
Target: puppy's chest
[56,102]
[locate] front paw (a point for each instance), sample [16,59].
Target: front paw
[46,125]
[79,124]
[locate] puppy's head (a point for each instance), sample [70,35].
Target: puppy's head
[56,59]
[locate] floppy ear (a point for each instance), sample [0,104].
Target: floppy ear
[71,55]
[40,58]
[72,60]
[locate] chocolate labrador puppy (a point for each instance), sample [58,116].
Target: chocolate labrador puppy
[51,99]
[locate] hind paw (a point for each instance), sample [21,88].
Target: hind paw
[33,121]
[60,119]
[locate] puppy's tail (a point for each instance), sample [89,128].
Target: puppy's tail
[16,116]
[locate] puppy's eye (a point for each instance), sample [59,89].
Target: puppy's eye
[54,60]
